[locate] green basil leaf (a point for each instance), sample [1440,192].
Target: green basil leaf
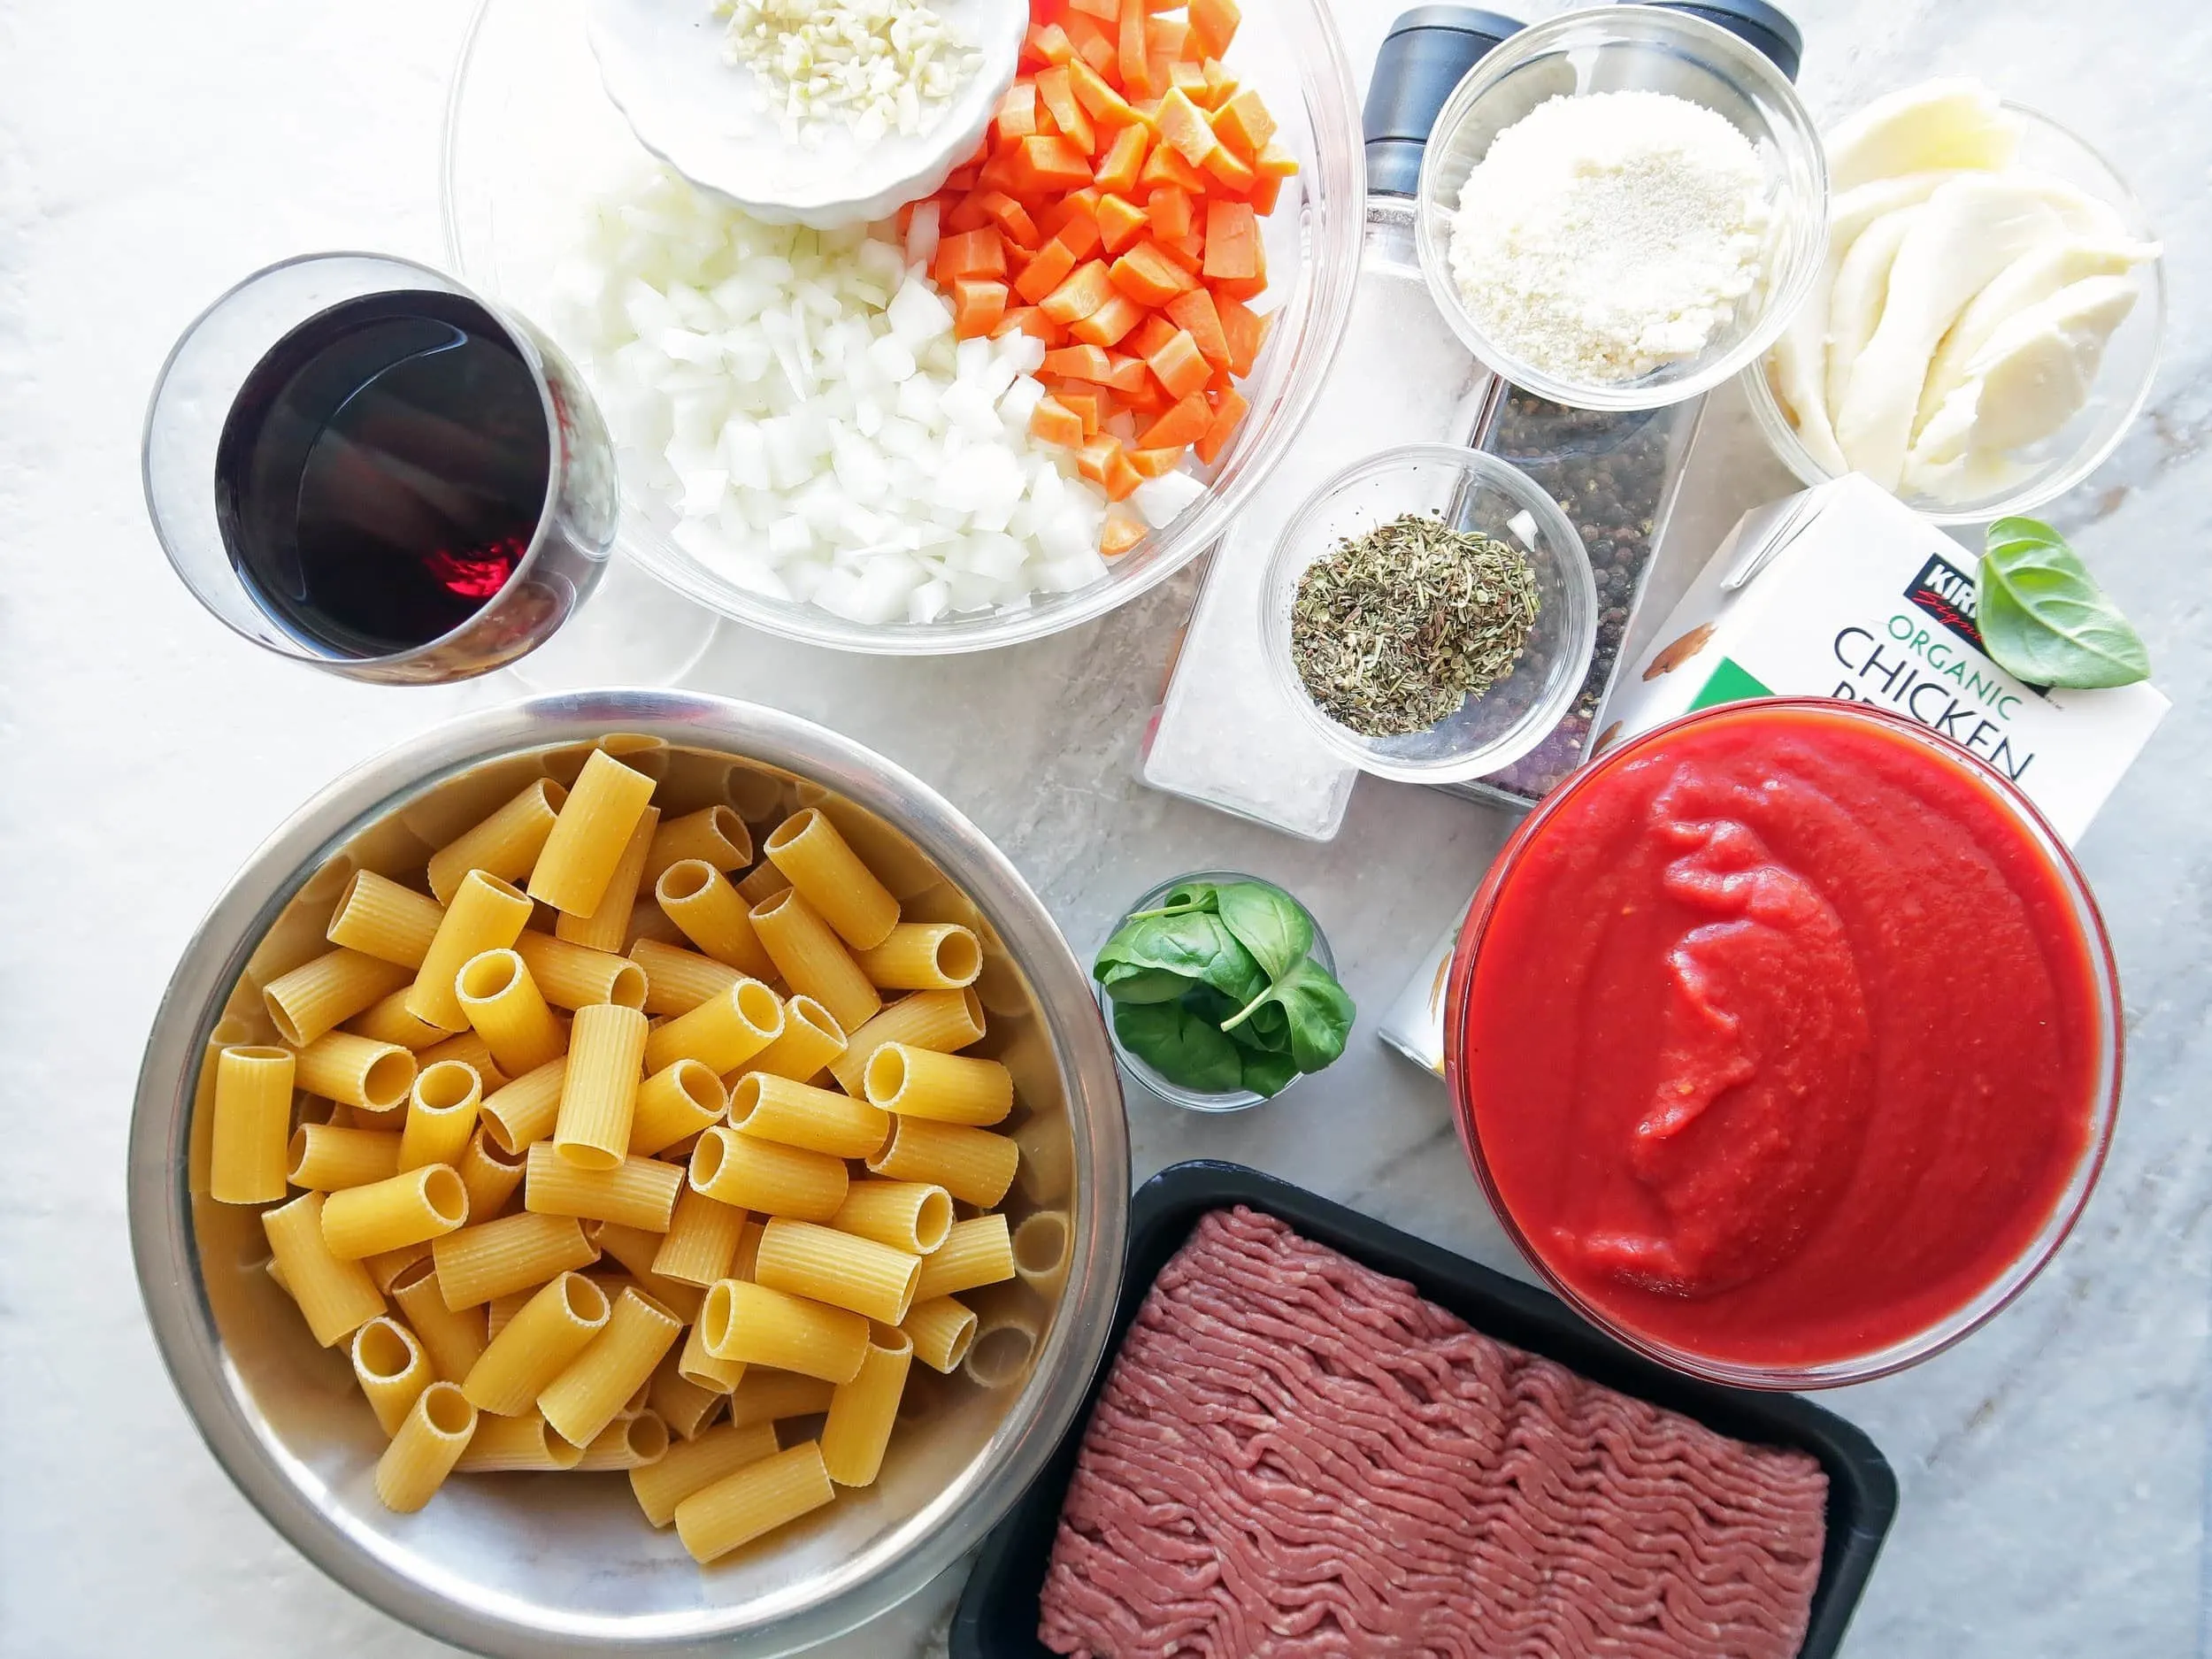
[1267,1075]
[1267,922]
[1128,982]
[1181,899]
[1260,1033]
[1192,944]
[1180,1046]
[1320,1010]
[2044,618]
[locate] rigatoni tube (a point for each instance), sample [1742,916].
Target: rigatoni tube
[923,957]
[946,1088]
[942,1021]
[811,1038]
[913,1216]
[599,1094]
[504,846]
[343,1067]
[700,900]
[808,847]
[575,976]
[693,1467]
[379,917]
[800,1115]
[508,1011]
[776,1180]
[837,1268]
[813,960]
[594,827]
[496,1258]
[674,1104]
[678,981]
[758,1499]
[392,1369]
[536,1346]
[325,1158]
[409,1207]
[977,1252]
[599,1381]
[774,1328]
[335,1297]
[635,1192]
[253,1120]
[485,913]
[441,1110]
[722,1033]
[607,927]
[974,1166]
[319,996]
[862,1411]
[430,1441]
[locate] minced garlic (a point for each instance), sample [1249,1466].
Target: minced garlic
[879,66]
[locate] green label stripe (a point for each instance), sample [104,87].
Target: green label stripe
[1731,682]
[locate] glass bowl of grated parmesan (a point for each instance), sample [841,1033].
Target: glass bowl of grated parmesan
[1620,208]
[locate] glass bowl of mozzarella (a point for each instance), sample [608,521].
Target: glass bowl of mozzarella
[535,1544]
[2044,321]
[805,447]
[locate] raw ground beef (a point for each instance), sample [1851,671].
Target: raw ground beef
[1294,1455]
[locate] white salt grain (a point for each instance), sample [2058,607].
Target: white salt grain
[1607,235]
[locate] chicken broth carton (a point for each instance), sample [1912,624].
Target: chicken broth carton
[1843,592]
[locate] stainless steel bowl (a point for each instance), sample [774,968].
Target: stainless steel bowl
[558,1564]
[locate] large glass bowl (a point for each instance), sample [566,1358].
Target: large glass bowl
[530,133]
[1650,749]
[1635,48]
[553,1566]
[2123,381]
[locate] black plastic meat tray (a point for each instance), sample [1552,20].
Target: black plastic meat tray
[997,1616]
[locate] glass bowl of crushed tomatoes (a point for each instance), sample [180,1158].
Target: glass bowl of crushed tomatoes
[1784,1040]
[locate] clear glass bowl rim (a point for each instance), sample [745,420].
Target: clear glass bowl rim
[1556,528]
[1175,1093]
[1627,25]
[1995,1296]
[1330,268]
[1781,437]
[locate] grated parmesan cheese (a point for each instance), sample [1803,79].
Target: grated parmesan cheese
[881,66]
[1607,235]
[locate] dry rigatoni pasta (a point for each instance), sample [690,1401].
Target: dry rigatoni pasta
[343,1067]
[974,1166]
[509,1012]
[322,995]
[392,1369]
[827,872]
[386,1268]
[599,1381]
[863,1411]
[678,981]
[813,960]
[946,1088]
[325,1157]
[837,1268]
[490,1175]
[252,1108]
[520,1445]
[442,1111]
[504,846]
[635,1442]
[485,913]
[536,1345]
[701,1240]
[594,827]
[696,1365]
[389,1021]
[685,1406]
[942,1021]
[469,1049]
[635,1192]
[811,1038]
[761,1327]
[761,1175]
[525,1111]
[718,1452]
[512,1253]
[453,1339]
[430,1441]
[607,927]
[700,900]
[772,1396]
[674,1104]
[379,917]
[722,1033]
[758,1499]
[771,1107]
[335,1297]
[599,1094]
[940,1329]
[923,957]
[574,976]
[910,1216]
[411,1208]
[975,1252]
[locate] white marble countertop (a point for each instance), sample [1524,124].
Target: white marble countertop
[2052,1468]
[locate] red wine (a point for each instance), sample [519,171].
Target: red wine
[382,471]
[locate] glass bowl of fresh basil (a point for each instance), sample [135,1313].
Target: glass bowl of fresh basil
[1220,991]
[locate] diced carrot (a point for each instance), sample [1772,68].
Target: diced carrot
[1183,125]
[1120,222]
[1213,24]
[1232,240]
[1089,287]
[1186,423]
[1127,374]
[961,180]
[1166,165]
[1150,399]
[964,213]
[1120,533]
[1103,462]
[1244,125]
[1240,287]
[1221,86]
[1081,233]
[1027,320]
[975,253]
[1107,11]
[1056,89]
[1235,174]
[1088,407]
[1136,74]
[977,305]
[1190,81]
[1148,276]
[1149,336]
[1154,462]
[1056,215]
[1166,37]
[1047,43]
[1245,331]
[1093,44]
[1181,367]
[1169,211]
[1194,313]
[1081,363]
[1105,105]
[1275,162]
[1187,251]
[1017,116]
[1229,410]
[1265,193]
[1124,159]
[1011,217]
[1107,325]
[1050,268]
[1041,165]
[1054,422]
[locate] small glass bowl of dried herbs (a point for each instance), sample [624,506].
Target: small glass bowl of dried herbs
[1221,991]
[1430,613]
